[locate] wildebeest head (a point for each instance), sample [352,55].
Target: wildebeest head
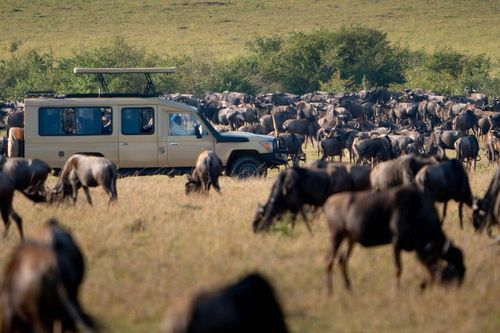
[455,268]
[192,185]
[258,220]
[478,215]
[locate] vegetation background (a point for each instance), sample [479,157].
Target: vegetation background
[254,46]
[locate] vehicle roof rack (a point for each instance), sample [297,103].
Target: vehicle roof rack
[41,93]
[149,89]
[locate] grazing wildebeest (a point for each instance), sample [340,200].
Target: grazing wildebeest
[400,171]
[40,286]
[296,187]
[467,149]
[85,171]
[247,306]
[403,216]
[7,188]
[444,181]
[486,211]
[205,174]
[29,175]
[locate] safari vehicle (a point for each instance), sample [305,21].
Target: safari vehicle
[141,133]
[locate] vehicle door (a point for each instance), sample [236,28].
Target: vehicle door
[138,139]
[187,138]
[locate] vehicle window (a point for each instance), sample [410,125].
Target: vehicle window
[183,124]
[138,121]
[75,121]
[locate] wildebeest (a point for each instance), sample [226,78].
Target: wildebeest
[465,121]
[205,174]
[444,139]
[467,149]
[41,283]
[357,175]
[296,187]
[247,306]
[376,149]
[85,171]
[7,188]
[486,211]
[444,181]
[29,175]
[403,216]
[400,171]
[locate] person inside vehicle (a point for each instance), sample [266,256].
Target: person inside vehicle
[176,127]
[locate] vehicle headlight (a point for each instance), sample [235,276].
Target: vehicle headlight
[267,145]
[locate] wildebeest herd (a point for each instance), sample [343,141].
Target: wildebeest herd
[396,142]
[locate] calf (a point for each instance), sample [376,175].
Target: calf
[40,286]
[206,173]
[246,306]
[486,211]
[403,216]
[445,181]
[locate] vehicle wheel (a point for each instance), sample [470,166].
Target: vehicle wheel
[246,167]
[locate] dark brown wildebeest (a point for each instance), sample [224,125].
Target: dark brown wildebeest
[29,175]
[296,187]
[467,150]
[85,171]
[247,306]
[444,181]
[403,216]
[357,175]
[486,211]
[205,174]
[444,139]
[40,286]
[7,188]
[465,121]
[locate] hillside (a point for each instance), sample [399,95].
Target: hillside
[223,27]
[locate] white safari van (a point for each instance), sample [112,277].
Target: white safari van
[141,133]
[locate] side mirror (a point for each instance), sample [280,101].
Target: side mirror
[197,131]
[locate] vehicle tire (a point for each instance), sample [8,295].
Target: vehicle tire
[246,167]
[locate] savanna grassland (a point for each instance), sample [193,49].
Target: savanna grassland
[156,246]
[223,27]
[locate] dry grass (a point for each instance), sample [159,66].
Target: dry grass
[156,246]
[223,27]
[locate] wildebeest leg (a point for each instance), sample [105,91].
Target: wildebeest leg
[336,241]
[344,257]
[460,215]
[397,262]
[74,195]
[87,194]
[216,186]
[5,211]
[19,222]
[444,211]
[305,220]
